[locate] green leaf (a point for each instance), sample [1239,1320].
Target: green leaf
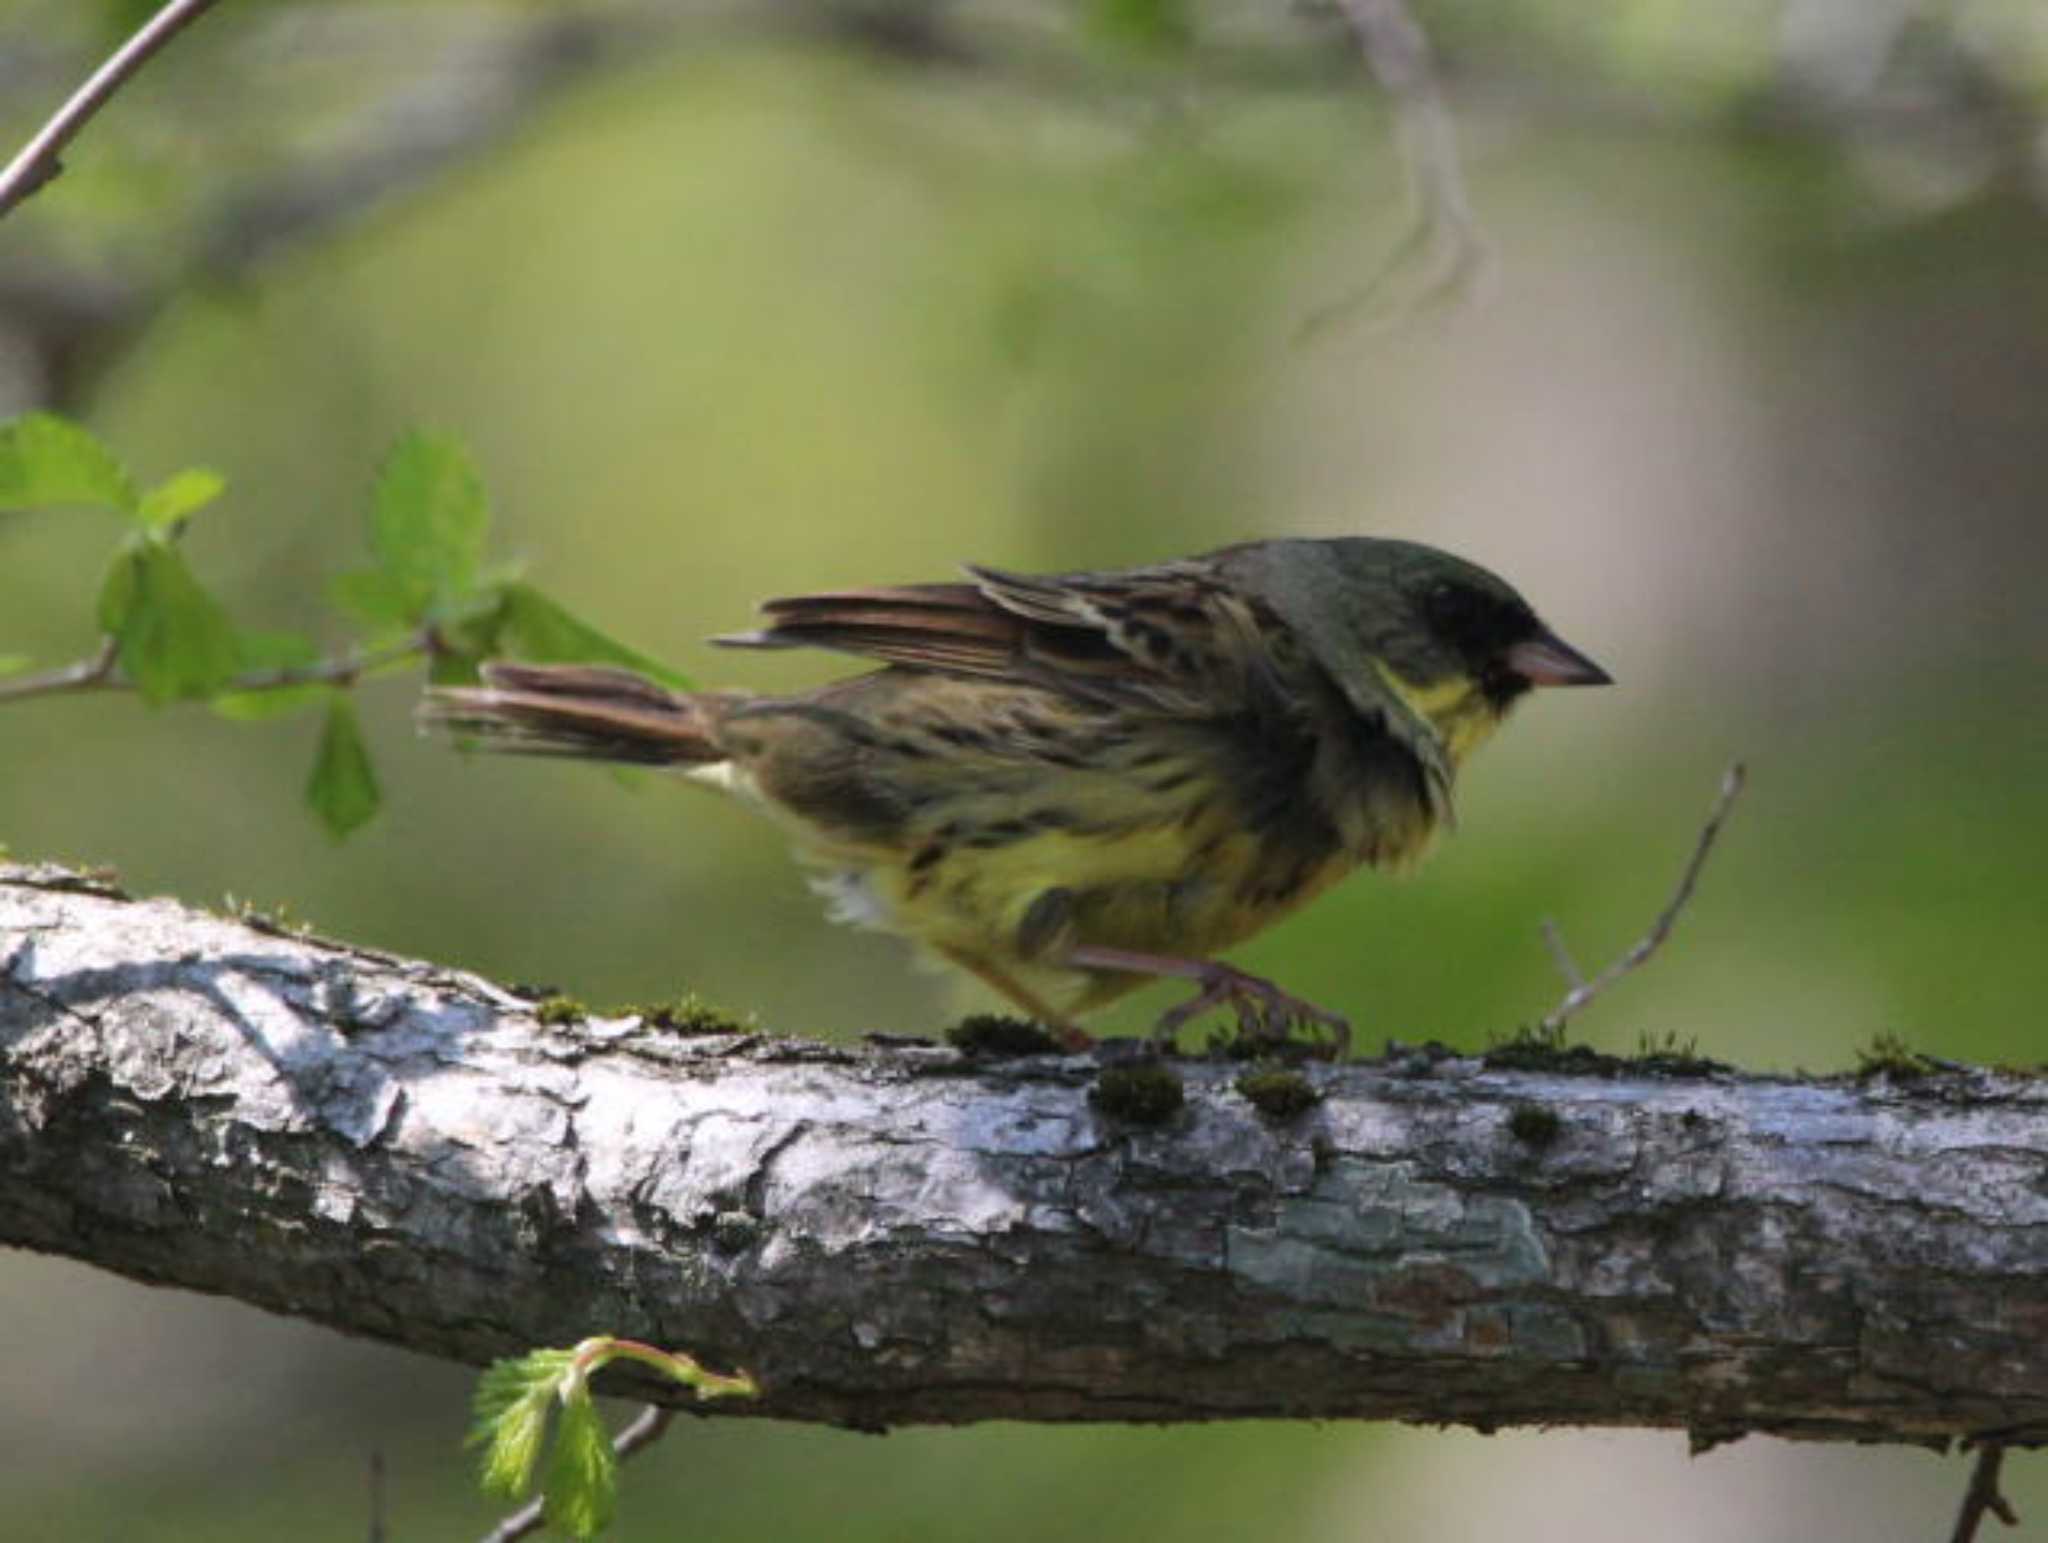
[343,788]
[509,1418]
[259,651]
[582,1483]
[379,599]
[263,653]
[179,496]
[118,588]
[543,631]
[45,459]
[176,643]
[428,517]
[14,664]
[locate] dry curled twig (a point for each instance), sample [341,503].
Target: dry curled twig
[1582,991]
[41,159]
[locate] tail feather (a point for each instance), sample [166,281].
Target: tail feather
[586,712]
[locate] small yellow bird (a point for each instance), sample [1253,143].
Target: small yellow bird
[1069,784]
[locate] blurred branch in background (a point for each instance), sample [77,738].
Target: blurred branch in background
[1443,258]
[339,109]
[916,1235]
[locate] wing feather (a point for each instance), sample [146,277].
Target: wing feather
[1169,638]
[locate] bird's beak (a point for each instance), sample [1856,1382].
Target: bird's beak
[1548,660]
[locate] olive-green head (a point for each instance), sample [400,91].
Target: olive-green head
[1359,604]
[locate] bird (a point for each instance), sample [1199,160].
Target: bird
[1071,784]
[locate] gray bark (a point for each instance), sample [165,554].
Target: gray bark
[906,1234]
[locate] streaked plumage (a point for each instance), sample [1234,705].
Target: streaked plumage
[1139,767]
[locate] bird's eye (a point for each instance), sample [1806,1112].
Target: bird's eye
[1452,608]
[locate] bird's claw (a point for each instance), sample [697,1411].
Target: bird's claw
[1266,1015]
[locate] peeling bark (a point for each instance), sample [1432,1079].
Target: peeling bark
[907,1234]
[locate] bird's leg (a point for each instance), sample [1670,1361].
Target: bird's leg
[1070,1034]
[1264,1011]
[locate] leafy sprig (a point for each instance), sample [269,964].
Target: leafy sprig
[427,595]
[515,1400]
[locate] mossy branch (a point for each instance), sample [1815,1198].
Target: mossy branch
[921,1234]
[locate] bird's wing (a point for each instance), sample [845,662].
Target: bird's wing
[1169,638]
[949,627]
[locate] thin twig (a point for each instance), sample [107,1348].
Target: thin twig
[1567,966]
[648,1427]
[1983,1495]
[1646,946]
[40,160]
[1450,258]
[377,1532]
[81,675]
[98,673]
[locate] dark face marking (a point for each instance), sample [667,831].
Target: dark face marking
[1479,623]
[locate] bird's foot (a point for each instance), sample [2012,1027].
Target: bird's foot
[1266,1015]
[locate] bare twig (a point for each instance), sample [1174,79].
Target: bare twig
[98,673]
[648,1427]
[1443,258]
[1561,954]
[377,1531]
[1983,1495]
[1646,946]
[40,160]
[81,675]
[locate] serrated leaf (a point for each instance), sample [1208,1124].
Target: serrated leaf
[45,459]
[264,653]
[342,790]
[379,599]
[543,631]
[178,496]
[509,1417]
[428,516]
[176,643]
[582,1483]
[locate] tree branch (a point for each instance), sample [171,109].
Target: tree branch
[97,672]
[40,160]
[908,1235]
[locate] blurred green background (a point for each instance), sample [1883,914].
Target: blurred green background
[732,305]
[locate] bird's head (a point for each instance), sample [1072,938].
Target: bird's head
[1453,643]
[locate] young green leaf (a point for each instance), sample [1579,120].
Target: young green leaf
[380,600]
[118,588]
[270,653]
[543,631]
[179,496]
[582,1483]
[342,790]
[45,459]
[509,1418]
[176,642]
[428,516]
[14,664]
